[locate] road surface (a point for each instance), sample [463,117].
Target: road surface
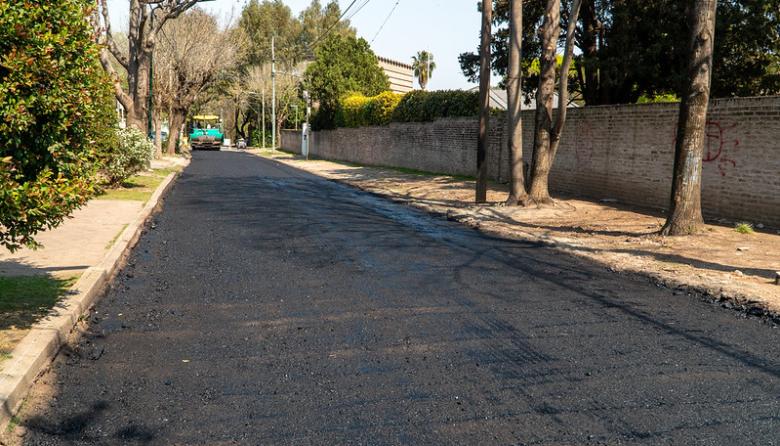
[267,306]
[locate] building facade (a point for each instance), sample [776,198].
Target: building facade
[401,75]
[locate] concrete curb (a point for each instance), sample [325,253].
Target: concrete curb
[39,347]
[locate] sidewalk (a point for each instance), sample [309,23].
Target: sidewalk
[32,282]
[738,270]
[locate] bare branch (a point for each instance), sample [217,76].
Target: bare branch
[563,88]
[121,95]
[108,38]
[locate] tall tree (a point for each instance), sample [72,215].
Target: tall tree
[514,87]
[634,49]
[141,39]
[342,65]
[685,211]
[423,66]
[317,21]
[547,132]
[260,21]
[199,53]
[484,101]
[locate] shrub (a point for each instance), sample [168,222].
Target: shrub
[357,110]
[421,106]
[744,228]
[56,113]
[131,155]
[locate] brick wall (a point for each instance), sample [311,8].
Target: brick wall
[623,152]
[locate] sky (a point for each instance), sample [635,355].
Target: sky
[446,28]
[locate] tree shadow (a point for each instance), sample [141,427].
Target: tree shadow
[30,294]
[76,426]
[768,274]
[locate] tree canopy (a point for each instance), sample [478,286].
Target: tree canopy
[342,64]
[630,49]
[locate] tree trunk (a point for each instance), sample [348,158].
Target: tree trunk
[176,121]
[590,28]
[685,215]
[517,192]
[541,160]
[484,101]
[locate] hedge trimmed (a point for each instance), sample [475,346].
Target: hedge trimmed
[422,106]
[357,110]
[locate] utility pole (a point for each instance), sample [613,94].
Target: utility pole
[273,93]
[150,104]
[484,101]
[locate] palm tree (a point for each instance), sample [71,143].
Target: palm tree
[423,66]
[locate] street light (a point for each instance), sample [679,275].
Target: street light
[151,67]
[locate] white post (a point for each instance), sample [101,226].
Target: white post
[263,113]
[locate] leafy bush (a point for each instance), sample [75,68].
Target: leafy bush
[421,106]
[744,228]
[56,114]
[132,154]
[357,110]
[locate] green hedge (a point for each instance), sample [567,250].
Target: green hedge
[356,110]
[56,115]
[421,106]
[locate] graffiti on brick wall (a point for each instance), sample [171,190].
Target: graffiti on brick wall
[721,146]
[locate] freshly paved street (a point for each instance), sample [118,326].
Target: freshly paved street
[267,306]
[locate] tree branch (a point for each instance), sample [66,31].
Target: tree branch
[108,38]
[121,95]
[563,88]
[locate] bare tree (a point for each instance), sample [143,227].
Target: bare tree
[484,101]
[199,52]
[685,215]
[517,192]
[141,40]
[547,133]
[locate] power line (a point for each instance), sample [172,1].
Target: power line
[327,31]
[385,22]
[358,10]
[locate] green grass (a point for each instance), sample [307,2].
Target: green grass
[138,187]
[25,299]
[744,228]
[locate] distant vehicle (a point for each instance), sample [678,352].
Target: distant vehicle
[241,144]
[205,133]
[163,135]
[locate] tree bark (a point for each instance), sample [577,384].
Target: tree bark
[517,192]
[547,133]
[540,161]
[178,116]
[685,216]
[484,101]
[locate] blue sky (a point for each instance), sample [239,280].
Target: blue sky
[444,27]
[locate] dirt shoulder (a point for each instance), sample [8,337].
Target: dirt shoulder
[735,269]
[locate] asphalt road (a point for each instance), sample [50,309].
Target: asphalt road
[267,306]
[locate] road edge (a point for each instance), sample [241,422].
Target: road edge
[32,356]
